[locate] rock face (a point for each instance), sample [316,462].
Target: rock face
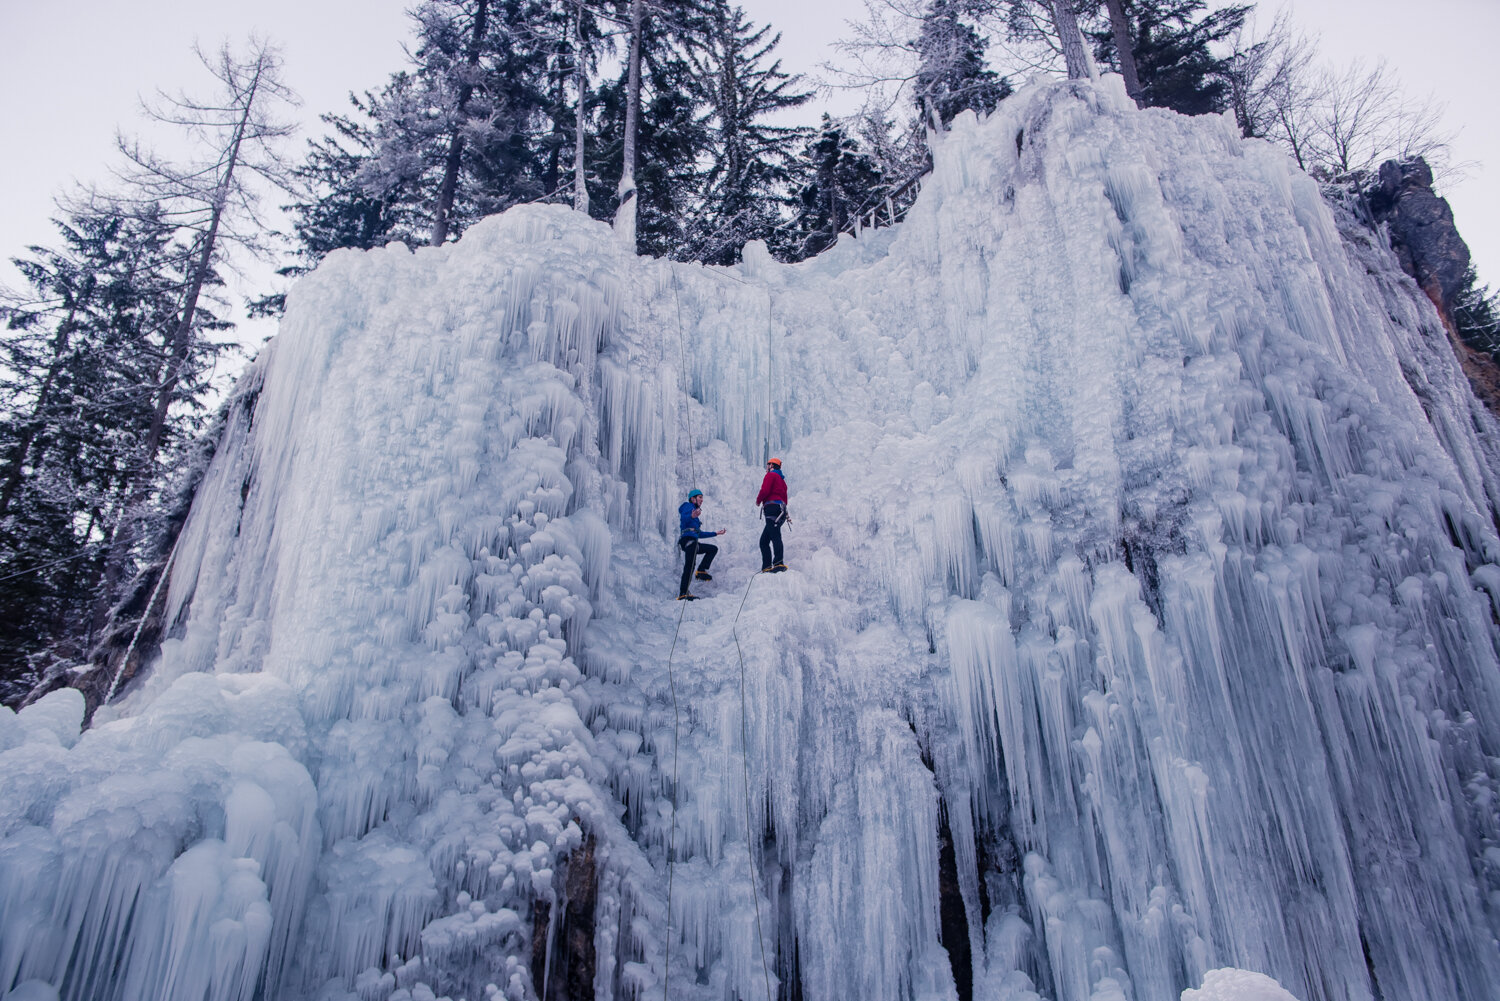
[1422,231]
[1427,244]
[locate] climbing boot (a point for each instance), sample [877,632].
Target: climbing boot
[687,597]
[778,568]
[704,575]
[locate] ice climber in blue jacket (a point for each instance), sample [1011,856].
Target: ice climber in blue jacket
[690,541]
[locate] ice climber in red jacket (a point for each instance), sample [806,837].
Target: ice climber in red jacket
[772,503]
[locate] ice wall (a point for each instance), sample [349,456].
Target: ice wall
[1141,619]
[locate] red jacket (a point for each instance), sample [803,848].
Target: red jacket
[772,488]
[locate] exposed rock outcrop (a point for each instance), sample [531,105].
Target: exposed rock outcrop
[1426,241]
[1422,231]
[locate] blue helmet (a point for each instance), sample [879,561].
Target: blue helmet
[694,493]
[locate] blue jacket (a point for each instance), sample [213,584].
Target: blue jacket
[692,528]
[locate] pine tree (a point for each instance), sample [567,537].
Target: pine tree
[461,132]
[751,159]
[487,116]
[457,74]
[900,153]
[1171,44]
[673,135]
[381,172]
[334,209]
[840,180]
[951,73]
[1476,315]
[338,209]
[571,37]
[81,353]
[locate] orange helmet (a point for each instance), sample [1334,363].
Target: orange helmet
[774,462]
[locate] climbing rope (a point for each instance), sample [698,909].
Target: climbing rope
[760,935]
[755,877]
[770,410]
[687,409]
[672,837]
[89,551]
[166,571]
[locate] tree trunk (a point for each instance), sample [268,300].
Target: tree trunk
[552,173]
[735,160]
[1080,66]
[123,537]
[580,79]
[933,121]
[444,208]
[625,215]
[1119,28]
[1293,139]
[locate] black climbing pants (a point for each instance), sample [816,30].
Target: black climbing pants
[691,548]
[770,536]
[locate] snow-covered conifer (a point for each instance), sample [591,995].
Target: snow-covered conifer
[461,133]
[951,71]
[84,345]
[840,179]
[1172,50]
[672,133]
[736,75]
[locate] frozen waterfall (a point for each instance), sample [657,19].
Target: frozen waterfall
[1141,620]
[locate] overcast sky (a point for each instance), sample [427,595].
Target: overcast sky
[73,72]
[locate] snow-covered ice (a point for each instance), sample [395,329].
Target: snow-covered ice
[1237,985]
[1140,620]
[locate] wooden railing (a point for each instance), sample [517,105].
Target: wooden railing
[563,191]
[887,210]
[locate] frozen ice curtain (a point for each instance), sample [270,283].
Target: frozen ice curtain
[1140,620]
